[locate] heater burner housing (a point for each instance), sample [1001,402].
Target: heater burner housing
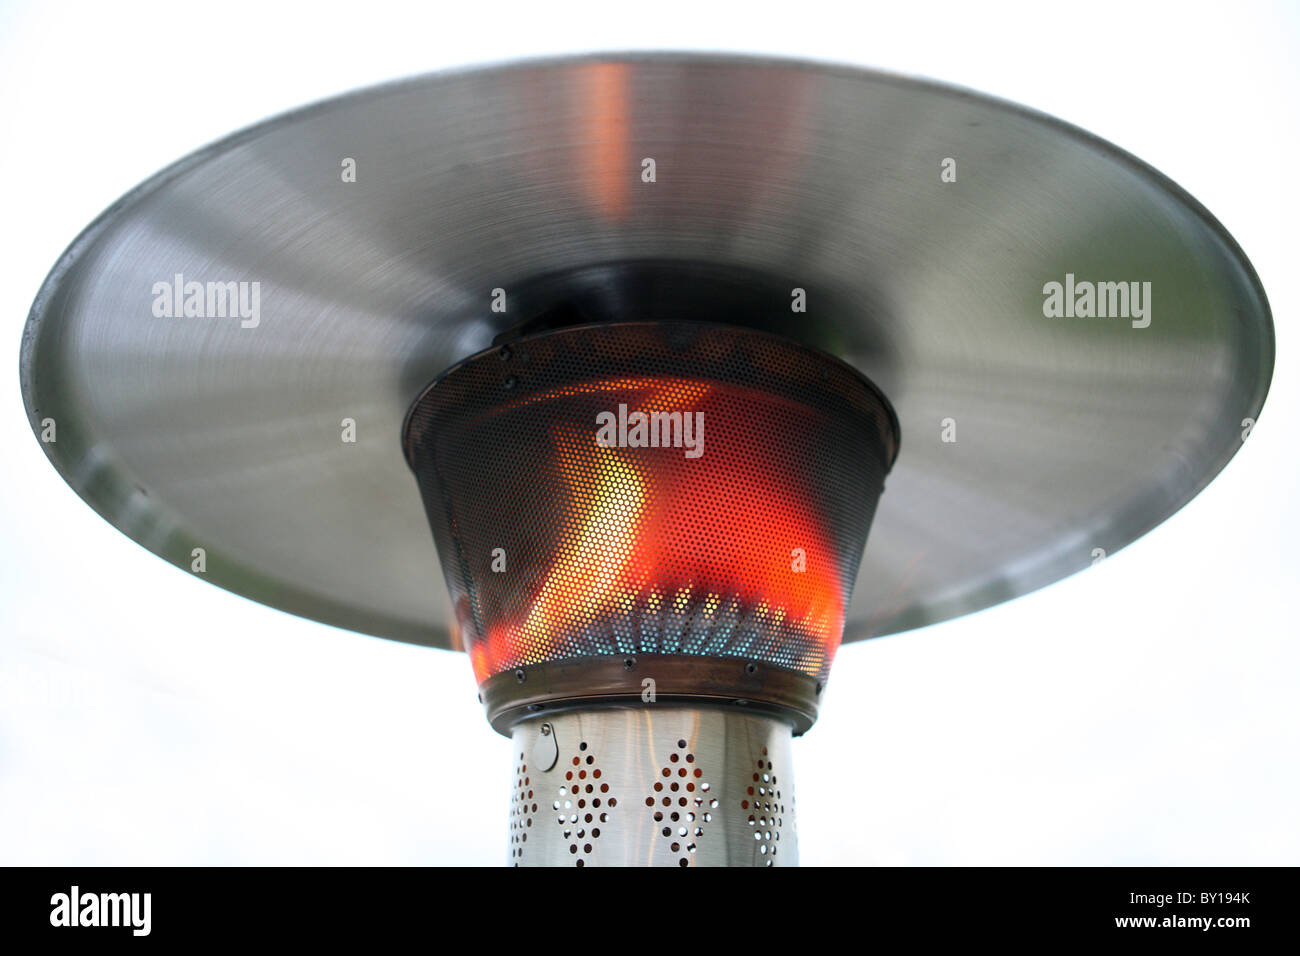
[651,532]
[622,492]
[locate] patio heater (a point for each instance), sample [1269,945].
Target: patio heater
[595,369]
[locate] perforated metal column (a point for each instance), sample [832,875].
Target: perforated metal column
[657,785]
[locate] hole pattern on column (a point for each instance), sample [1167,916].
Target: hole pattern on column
[681,804]
[522,808]
[764,809]
[583,805]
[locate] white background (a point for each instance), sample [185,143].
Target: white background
[1144,711]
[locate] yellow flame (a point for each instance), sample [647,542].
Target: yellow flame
[586,572]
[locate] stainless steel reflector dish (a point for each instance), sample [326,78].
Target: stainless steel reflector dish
[227,354]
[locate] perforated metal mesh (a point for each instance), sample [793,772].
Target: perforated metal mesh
[668,488]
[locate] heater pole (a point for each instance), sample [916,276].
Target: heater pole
[658,785]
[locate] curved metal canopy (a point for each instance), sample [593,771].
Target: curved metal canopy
[1071,433]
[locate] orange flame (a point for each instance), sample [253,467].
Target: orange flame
[588,567]
[719,533]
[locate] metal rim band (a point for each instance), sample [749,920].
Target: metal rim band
[616,681]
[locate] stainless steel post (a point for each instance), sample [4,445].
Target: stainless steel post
[654,785]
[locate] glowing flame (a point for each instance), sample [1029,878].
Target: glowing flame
[588,568]
[708,543]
